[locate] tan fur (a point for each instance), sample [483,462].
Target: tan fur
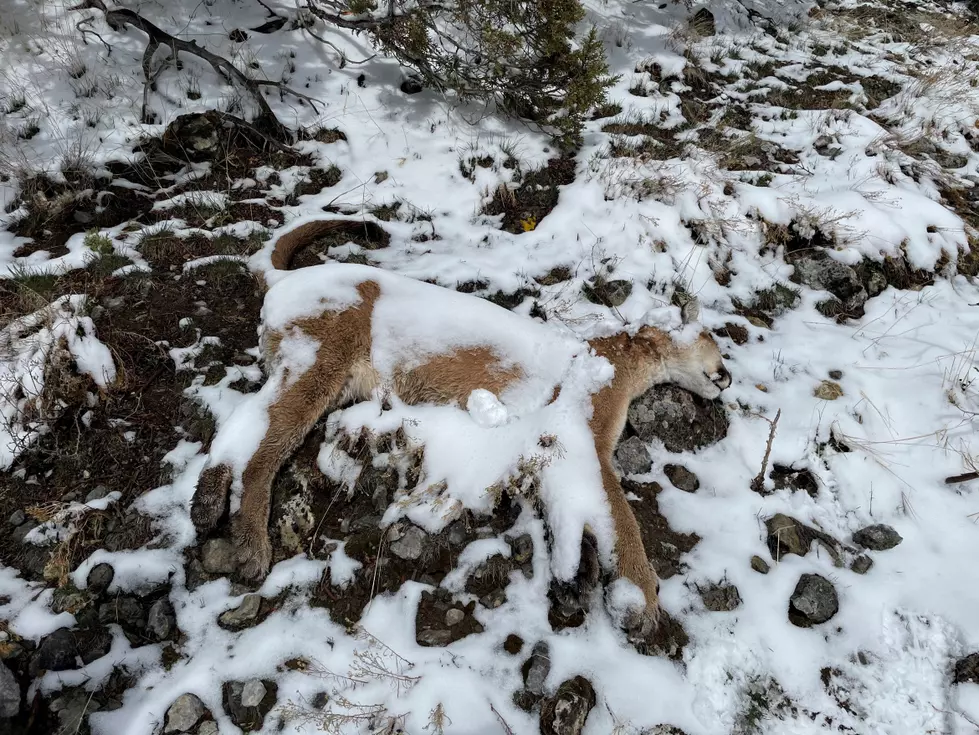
[343,373]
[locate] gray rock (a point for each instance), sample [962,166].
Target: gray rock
[786,536]
[208,728]
[249,717]
[879,537]
[124,610]
[434,637]
[682,421]
[9,693]
[720,597]
[681,478]
[967,669]
[567,711]
[243,615]
[862,564]
[633,457]
[97,493]
[252,693]
[536,669]
[816,269]
[99,578]
[184,713]
[608,293]
[522,548]
[411,544]
[57,652]
[72,707]
[813,601]
[161,620]
[454,616]
[17,517]
[759,564]
[217,556]
[22,530]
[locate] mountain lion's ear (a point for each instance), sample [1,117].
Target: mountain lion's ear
[690,311]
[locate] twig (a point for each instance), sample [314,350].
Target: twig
[965,477]
[506,728]
[758,484]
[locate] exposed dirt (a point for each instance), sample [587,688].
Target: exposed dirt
[524,207]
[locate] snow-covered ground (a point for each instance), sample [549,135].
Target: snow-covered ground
[837,164]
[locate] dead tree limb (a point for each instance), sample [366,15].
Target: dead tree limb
[966,477]
[758,484]
[120,18]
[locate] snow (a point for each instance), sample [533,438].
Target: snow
[28,345]
[907,413]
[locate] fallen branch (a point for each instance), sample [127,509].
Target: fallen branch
[119,18]
[965,477]
[758,484]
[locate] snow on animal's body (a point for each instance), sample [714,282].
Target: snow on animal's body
[337,333]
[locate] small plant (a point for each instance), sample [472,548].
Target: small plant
[98,243]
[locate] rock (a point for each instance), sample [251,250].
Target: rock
[252,693]
[702,23]
[184,713]
[633,457]
[93,643]
[217,556]
[816,269]
[513,644]
[434,638]
[97,494]
[862,564]
[431,628]
[9,693]
[759,564]
[22,530]
[786,536]
[249,717]
[827,390]
[411,85]
[536,668]
[682,421]
[243,615]
[208,728]
[70,600]
[720,597]
[411,544]
[814,601]
[567,711]
[836,374]
[522,548]
[681,478]
[791,478]
[161,620]
[238,36]
[17,517]
[967,669]
[608,293]
[879,537]
[57,652]
[72,707]
[454,616]
[124,610]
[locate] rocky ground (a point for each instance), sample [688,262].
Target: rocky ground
[810,546]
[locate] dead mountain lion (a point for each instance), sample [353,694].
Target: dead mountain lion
[338,333]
